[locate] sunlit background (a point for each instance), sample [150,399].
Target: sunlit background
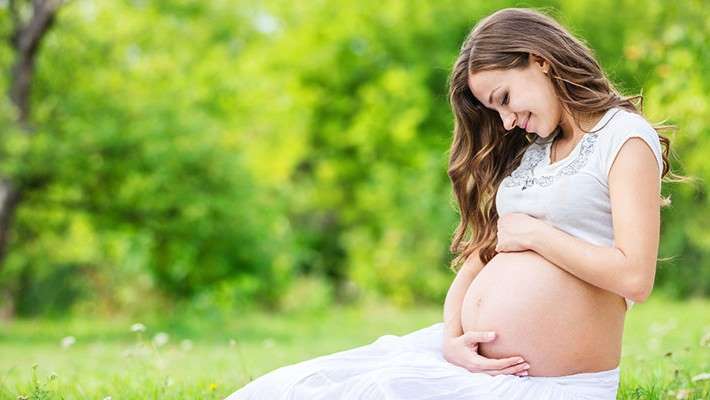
[196,192]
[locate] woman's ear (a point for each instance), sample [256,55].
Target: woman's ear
[540,62]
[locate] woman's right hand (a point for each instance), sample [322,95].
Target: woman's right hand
[463,351]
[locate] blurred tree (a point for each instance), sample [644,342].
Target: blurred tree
[30,22]
[141,163]
[219,151]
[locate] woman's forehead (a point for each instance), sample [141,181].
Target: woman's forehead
[483,83]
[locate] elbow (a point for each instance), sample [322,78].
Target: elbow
[639,295]
[639,289]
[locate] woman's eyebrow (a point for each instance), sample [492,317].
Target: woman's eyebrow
[490,96]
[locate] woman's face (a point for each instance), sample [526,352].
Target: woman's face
[522,97]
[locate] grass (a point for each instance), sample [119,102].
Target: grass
[666,344]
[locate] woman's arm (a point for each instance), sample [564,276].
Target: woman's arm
[454,297]
[461,348]
[628,268]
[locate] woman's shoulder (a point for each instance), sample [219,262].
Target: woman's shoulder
[623,122]
[622,126]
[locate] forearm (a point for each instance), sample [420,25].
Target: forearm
[456,293]
[602,266]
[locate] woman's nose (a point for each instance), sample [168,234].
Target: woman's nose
[508,121]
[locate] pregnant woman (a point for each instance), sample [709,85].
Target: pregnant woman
[557,178]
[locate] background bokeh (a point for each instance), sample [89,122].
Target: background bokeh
[232,155]
[201,191]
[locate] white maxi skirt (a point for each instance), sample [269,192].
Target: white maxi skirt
[412,367]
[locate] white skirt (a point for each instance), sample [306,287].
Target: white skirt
[412,367]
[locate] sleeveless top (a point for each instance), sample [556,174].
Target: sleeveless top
[572,194]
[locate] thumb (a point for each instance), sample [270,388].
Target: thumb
[473,337]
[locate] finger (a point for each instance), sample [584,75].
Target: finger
[515,369]
[496,363]
[473,337]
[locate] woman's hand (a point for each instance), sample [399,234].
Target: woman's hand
[515,231]
[463,351]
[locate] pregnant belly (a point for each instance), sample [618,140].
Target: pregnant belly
[560,324]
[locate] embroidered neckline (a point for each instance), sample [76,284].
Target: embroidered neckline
[548,151]
[524,175]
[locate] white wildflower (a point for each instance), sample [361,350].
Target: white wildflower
[160,339]
[682,394]
[68,342]
[138,327]
[701,377]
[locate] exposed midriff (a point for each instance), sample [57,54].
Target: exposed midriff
[558,323]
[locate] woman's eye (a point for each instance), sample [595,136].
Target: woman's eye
[505,99]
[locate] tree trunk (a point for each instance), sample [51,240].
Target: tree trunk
[25,40]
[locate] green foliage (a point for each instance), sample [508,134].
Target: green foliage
[217,150]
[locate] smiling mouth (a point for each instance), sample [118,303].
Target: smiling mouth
[525,126]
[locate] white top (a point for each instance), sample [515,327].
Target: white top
[572,194]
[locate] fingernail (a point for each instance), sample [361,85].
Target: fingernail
[519,360]
[524,373]
[490,334]
[526,365]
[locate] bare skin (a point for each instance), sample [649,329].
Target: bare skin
[560,309]
[558,323]
[526,98]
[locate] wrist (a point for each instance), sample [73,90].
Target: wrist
[451,332]
[450,335]
[536,237]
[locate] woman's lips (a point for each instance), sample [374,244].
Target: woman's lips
[525,125]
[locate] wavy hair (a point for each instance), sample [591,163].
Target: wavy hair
[482,152]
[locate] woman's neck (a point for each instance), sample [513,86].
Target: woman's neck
[570,132]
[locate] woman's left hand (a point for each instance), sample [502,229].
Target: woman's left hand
[515,232]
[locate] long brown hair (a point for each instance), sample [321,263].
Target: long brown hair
[481,153]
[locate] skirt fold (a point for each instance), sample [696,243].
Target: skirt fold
[412,367]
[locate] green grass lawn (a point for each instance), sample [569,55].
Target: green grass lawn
[666,344]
